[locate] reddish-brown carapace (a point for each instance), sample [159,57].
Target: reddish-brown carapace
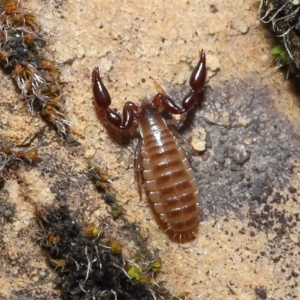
[160,162]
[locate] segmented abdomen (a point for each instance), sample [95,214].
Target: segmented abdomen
[171,182]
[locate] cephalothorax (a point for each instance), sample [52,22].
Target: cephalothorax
[159,161]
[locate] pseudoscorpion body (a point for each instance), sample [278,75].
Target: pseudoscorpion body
[160,162]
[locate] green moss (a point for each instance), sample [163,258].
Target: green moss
[282,17]
[87,267]
[281,55]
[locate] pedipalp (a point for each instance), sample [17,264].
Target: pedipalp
[103,101]
[196,82]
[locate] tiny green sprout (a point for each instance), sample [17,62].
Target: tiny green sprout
[6,150]
[116,211]
[116,247]
[31,155]
[155,265]
[92,230]
[145,279]
[57,263]
[280,54]
[133,271]
[53,239]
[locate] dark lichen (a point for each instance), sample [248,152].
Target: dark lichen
[261,293]
[7,211]
[89,266]
[251,152]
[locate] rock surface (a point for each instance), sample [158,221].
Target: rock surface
[247,246]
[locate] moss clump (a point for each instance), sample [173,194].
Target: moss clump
[283,18]
[11,158]
[37,77]
[90,267]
